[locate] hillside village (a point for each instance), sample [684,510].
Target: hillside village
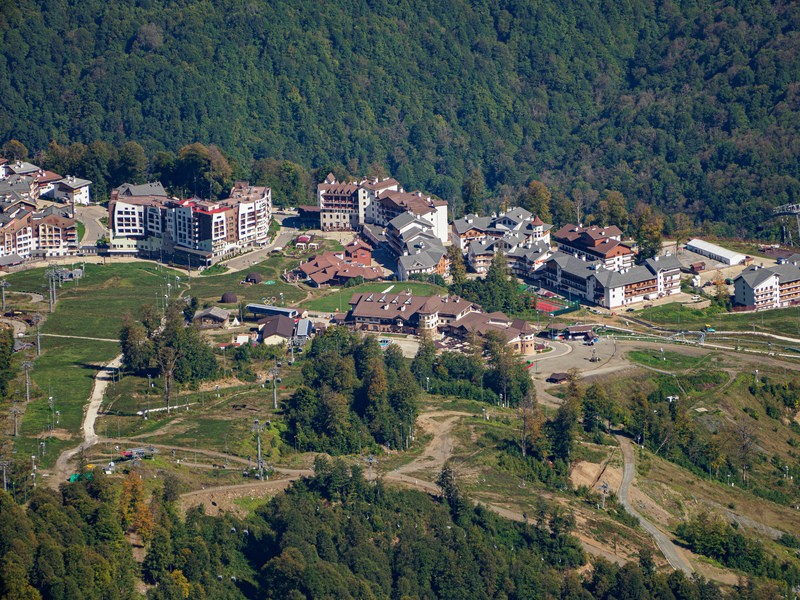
[591,264]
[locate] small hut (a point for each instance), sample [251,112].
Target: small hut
[254,278]
[229,298]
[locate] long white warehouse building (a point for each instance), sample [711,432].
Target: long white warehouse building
[714,252]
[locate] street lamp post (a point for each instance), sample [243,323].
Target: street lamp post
[15,412]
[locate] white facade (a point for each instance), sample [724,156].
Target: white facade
[714,252]
[763,295]
[128,219]
[72,190]
[438,219]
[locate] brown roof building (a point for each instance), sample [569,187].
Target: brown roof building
[595,243]
[334,269]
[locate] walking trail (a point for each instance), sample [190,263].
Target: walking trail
[668,549]
[62,469]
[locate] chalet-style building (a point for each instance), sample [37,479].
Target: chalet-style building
[405,312]
[596,244]
[768,287]
[578,278]
[517,333]
[525,228]
[333,268]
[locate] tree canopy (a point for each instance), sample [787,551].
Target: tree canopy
[691,108]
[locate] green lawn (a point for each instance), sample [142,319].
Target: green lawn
[209,289]
[65,371]
[669,361]
[81,230]
[96,305]
[333,300]
[93,307]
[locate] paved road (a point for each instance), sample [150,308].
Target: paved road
[671,553]
[240,263]
[90,217]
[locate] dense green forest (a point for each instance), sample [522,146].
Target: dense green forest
[332,536]
[354,395]
[691,106]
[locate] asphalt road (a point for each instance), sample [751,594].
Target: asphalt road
[671,553]
[241,263]
[90,217]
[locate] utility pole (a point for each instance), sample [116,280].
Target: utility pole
[274,372]
[15,412]
[52,275]
[27,366]
[4,284]
[257,429]
[37,319]
[5,464]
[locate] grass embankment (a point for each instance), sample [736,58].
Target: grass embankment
[742,418]
[668,360]
[785,321]
[65,371]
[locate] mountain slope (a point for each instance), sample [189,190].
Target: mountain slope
[692,107]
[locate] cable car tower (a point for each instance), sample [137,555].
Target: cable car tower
[788,210]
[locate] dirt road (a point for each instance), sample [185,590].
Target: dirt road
[670,551]
[440,447]
[62,468]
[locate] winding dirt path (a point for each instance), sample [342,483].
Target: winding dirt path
[61,470]
[670,551]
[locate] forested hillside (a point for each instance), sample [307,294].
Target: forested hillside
[689,106]
[332,536]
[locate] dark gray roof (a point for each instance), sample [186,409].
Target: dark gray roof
[535,251]
[666,262]
[612,279]
[74,182]
[574,266]
[10,260]
[471,222]
[214,312]
[755,275]
[404,219]
[22,167]
[153,188]
[423,260]
[484,247]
